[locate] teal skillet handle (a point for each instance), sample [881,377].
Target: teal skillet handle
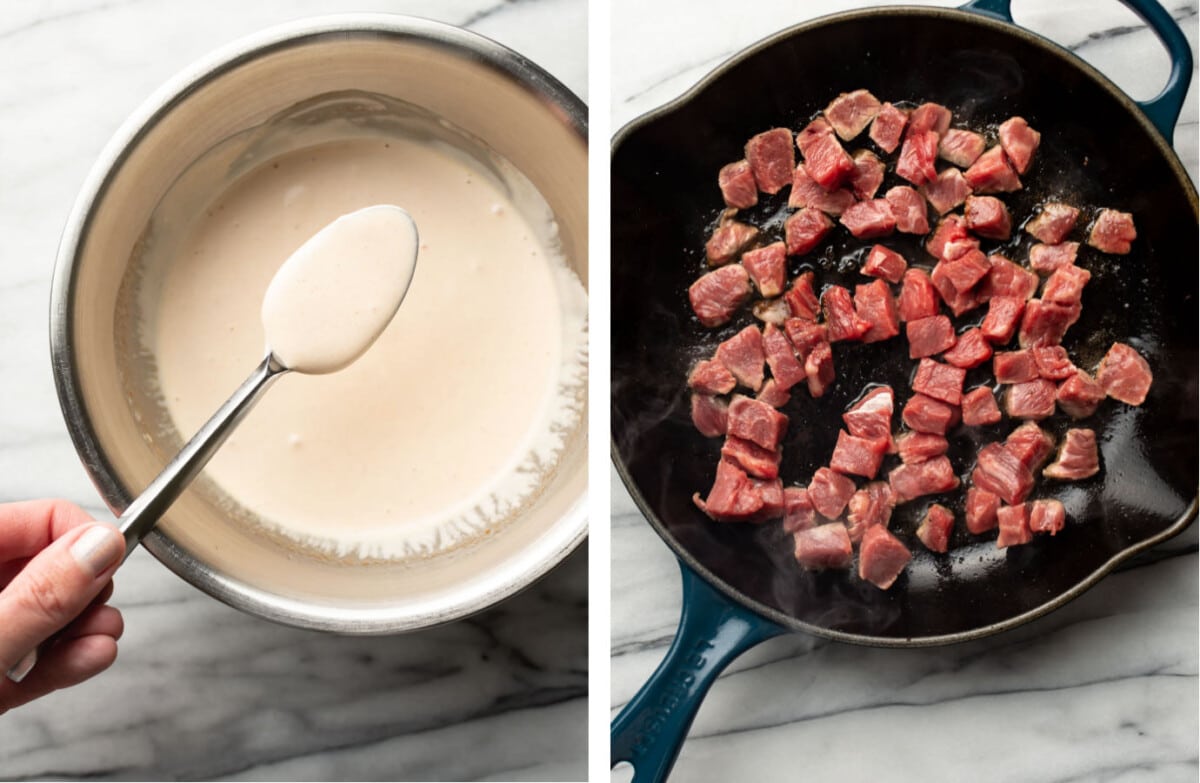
[1163,109]
[712,632]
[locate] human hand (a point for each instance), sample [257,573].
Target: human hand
[56,567]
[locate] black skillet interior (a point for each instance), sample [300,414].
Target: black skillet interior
[1094,153]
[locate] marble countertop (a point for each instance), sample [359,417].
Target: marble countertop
[1104,689]
[201,691]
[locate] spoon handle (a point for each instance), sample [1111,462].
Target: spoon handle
[144,512]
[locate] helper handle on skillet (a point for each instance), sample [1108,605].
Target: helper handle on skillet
[712,632]
[1163,109]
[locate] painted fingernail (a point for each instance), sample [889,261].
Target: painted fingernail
[98,549]
[23,667]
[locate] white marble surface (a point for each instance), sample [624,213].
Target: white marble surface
[201,691]
[1104,689]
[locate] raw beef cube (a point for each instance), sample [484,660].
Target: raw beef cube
[727,241]
[851,112]
[1004,312]
[869,507]
[824,546]
[805,334]
[1065,286]
[971,350]
[1077,457]
[1001,473]
[1124,374]
[1014,366]
[1053,363]
[807,193]
[1045,323]
[869,219]
[909,210]
[947,191]
[979,408]
[1113,232]
[1053,223]
[710,376]
[798,511]
[917,156]
[1080,395]
[802,299]
[826,162]
[949,231]
[931,477]
[733,497]
[716,296]
[940,381]
[818,366]
[881,557]
[1047,516]
[925,414]
[1008,279]
[929,117]
[918,298]
[767,267]
[772,311]
[873,303]
[743,355]
[958,300]
[1047,258]
[988,217]
[772,158]
[935,527]
[981,510]
[885,263]
[805,229]
[817,129]
[868,174]
[992,174]
[857,456]
[1013,522]
[1031,399]
[829,492]
[756,421]
[1019,142]
[1030,444]
[888,127]
[786,369]
[965,271]
[750,457]
[961,147]
[773,394]
[871,416]
[710,415]
[841,320]
[772,495]
[929,336]
[738,187]
[920,446]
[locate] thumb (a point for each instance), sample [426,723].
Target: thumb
[55,587]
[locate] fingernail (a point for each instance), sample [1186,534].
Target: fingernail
[98,549]
[23,667]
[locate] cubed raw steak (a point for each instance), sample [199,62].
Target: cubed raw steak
[1019,142]
[1001,473]
[987,217]
[772,158]
[857,456]
[1047,516]
[733,497]
[971,350]
[710,376]
[810,133]
[786,369]
[881,557]
[710,415]
[1003,315]
[805,334]
[961,147]
[1013,522]
[767,267]
[935,527]
[841,320]
[1065,286]
[1031,399]
[756,421]
[979,408]
[992,174]
[1124,374]
[1053,362]
[807,193]
[929,336]
[773,394]
[981,510]
[738,187]
[743,355]
[871,416]
[818,366]
[873,302]
[851,112]
[1014,366]
[772,311]
[918,298]
[802,299]
[829,492]
[727,241]
[798,511]
[965,271]
[1080,395]
[888,127]
[1030,444]
[950,230]
[931,477]
[1045,323]
[750,457]
[929,117]
[1077,457]
[917,156]
[826,162]
[1047,258]
[920,446]
[909,209]
[1008,279]
[1113,232]
[940,381]
[805,229]
[868,174]
[772,495]
[925,414]
[1053,223]
[869,219]
[958,300]
[869,507]
[716,296]
[886,263]
[824,546]
[947,191]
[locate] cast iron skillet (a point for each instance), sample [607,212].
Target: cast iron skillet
[1099,148]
